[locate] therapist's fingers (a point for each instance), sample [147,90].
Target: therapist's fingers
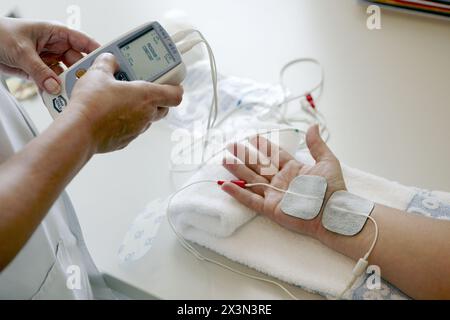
[50,58]
[13,71]
[74,39]
[165,95]
[71,57]
[155,94]
[107,63]
[148,126]
[57,68]
[68,58]
[82,43]
[39,71]
[161,114]
[249,199]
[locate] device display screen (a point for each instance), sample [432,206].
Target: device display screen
[147,56]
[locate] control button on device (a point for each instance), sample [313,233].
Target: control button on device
[121,76]
[59,103]
[80,72]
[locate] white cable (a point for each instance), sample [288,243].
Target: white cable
[357,271]
[201,257]
[362,264]
[181,36]
[186,46]
[251,185]
[200,139]
[315,114]
[315,88]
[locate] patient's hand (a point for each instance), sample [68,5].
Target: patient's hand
[406,249]
[266,201]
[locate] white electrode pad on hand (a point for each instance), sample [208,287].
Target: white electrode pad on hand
[305,197]
[346,214]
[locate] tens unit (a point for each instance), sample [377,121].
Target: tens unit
[146,53]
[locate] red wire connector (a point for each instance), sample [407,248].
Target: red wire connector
[311,101]
[239,183]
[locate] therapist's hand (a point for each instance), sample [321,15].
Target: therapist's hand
[34,49]
[267,201]
[115,112]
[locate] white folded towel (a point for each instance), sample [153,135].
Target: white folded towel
[204,209]
[204,214]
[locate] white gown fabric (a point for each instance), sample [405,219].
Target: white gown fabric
[55,263]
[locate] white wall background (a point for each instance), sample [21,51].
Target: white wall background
[387,95]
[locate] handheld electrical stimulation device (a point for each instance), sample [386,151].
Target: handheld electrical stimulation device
[146,53]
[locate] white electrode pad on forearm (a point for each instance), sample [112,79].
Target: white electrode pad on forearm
[305,197]
[346,213]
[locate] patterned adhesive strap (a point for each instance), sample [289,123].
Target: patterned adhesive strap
[425,203]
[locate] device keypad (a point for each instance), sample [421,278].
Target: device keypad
[80,72]
[121,76]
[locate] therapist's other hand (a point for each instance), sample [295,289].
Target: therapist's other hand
[266,201]
[115,112]
[35,49]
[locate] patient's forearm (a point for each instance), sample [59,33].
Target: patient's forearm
[32,180]
[413,252]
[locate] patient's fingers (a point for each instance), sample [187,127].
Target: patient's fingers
[318,148]
[275,153]
[241,171]
[254,160]
[247,198]
[286,175]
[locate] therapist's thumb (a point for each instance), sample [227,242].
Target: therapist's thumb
[106,62]
[37,70]
[318,148]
